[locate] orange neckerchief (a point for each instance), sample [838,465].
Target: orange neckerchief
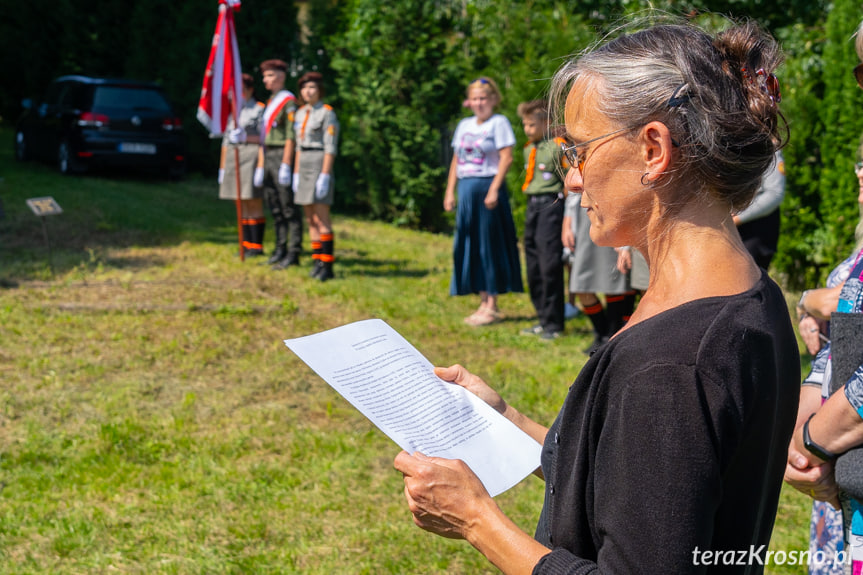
[531,166]
[305,119]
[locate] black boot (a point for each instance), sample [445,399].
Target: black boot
[256,237]
[596,314]
[615,311]
[290,259]
[316,269]
[247,233]
[278,255]
[326,272]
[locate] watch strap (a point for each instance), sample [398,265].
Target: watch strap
[813,447]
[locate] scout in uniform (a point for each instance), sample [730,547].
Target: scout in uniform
[317,132]
[246,139]
[275,165]
[543,245]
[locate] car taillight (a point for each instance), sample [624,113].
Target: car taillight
[171,124]
[91,120]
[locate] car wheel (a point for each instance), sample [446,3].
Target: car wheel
[66,162]
[21,153]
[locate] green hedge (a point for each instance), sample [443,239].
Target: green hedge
[396,71]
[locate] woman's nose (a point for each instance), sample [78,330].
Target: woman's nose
[573,181]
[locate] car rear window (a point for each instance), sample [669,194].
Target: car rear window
[130,98]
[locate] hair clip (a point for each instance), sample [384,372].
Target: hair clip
[768,82]
[676,101]
[481,81]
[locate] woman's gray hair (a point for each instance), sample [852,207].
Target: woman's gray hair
[711,92]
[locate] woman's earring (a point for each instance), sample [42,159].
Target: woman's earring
[644,175]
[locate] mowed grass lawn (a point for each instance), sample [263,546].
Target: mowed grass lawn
[153,421]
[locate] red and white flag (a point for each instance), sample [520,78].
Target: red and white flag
[223,75]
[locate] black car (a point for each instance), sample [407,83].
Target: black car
[84,122]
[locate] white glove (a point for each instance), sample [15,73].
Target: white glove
[237,136]
[284,174]
[221,176]
[296,183]
[258,180]
[322,186]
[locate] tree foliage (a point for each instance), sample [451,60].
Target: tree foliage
[396,74]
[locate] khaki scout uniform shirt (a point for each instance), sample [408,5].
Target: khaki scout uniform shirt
[317,128]
[317,133]
[281,126]
[544,170]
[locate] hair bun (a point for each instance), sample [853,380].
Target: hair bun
[750,56]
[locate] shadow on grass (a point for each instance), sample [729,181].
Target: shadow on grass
[103,210]
[359,265]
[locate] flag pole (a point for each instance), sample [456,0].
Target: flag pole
[213,106]
[234,104]
[239,201]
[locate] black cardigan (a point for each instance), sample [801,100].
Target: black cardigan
[673,441]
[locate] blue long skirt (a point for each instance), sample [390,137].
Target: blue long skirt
[485,250]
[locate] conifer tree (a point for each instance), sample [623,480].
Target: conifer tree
[843,123]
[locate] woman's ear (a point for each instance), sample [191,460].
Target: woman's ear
[657,149]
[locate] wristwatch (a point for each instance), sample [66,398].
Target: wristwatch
[800,305]
[813,447]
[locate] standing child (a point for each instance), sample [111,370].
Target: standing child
[317,131]
[542,240]
[275,165]
[245,138]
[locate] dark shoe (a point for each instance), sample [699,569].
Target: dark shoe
[597,343]
[286,262]
[316,269]
[254,253]
[326,272]
[278,255]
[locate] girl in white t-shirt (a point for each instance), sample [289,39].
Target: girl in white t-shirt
[485,250]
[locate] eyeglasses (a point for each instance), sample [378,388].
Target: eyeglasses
[858,167]
[578,158]
[858,74]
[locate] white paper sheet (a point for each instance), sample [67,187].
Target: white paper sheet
[380,373]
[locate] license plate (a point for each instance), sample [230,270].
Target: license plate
[136,148]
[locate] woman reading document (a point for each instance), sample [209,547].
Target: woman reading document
[669,449]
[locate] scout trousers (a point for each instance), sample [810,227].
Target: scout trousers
[543,254]
[287,216]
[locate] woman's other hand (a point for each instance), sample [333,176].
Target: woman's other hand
[624,260]
[449,201]
[818,482]
[460,376]
[566,235]
[810,333]
[491,199]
